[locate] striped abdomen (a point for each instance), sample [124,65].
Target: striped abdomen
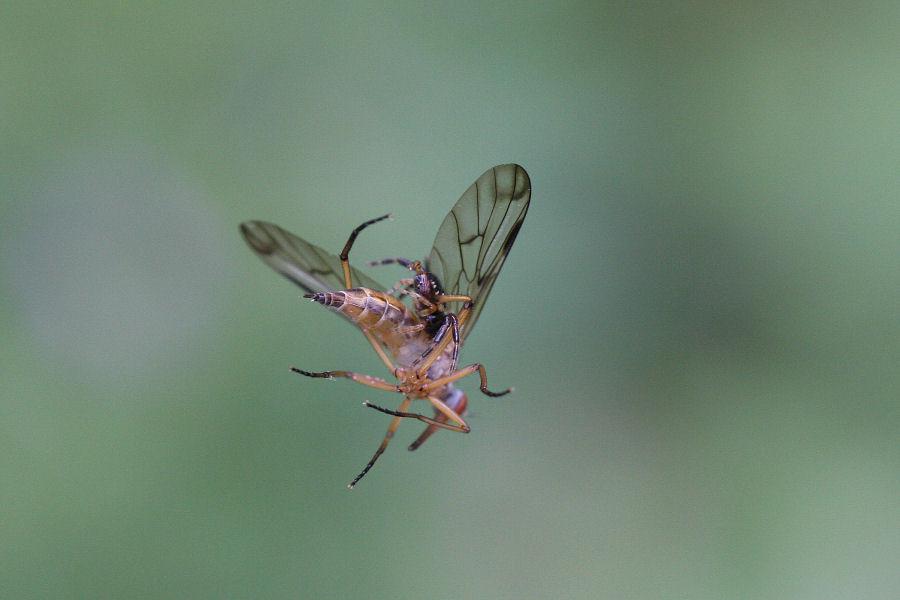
[391,321]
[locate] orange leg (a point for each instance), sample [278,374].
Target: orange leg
[345,253]
[387,438]
[400,287]
[429,431]
[459,374]
[348,281]
[461,427]
[424,306]
[439,346]
[445,298]
[455,400]
[379,350]
[368,380]
[451,324]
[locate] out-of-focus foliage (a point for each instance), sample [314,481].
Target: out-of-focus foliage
[699,315]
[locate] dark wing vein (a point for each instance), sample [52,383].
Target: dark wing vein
[475,237]
[310,267]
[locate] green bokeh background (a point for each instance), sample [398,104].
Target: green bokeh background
[699,316]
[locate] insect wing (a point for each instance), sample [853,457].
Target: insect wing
[475,237]
[310,267]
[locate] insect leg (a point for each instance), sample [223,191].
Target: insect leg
[454,359]
[387,438]
[436,348]
[376,345]
[459,374]
[461,427]
[409,264]
[456,322]
[411,328]
[439,344]
[345,264]
[399,287]
[466,309]
[390,261]
[444,298]
[424,306]
[379,350]
[456,400]
[368,380]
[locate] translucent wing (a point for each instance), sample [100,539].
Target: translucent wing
[308,266]
[476,236]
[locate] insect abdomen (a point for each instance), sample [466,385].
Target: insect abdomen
[371,309]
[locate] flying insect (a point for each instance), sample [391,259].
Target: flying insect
[419,344]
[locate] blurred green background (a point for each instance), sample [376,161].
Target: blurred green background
[699,316]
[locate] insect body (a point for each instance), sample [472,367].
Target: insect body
[418,344]
[385,317]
